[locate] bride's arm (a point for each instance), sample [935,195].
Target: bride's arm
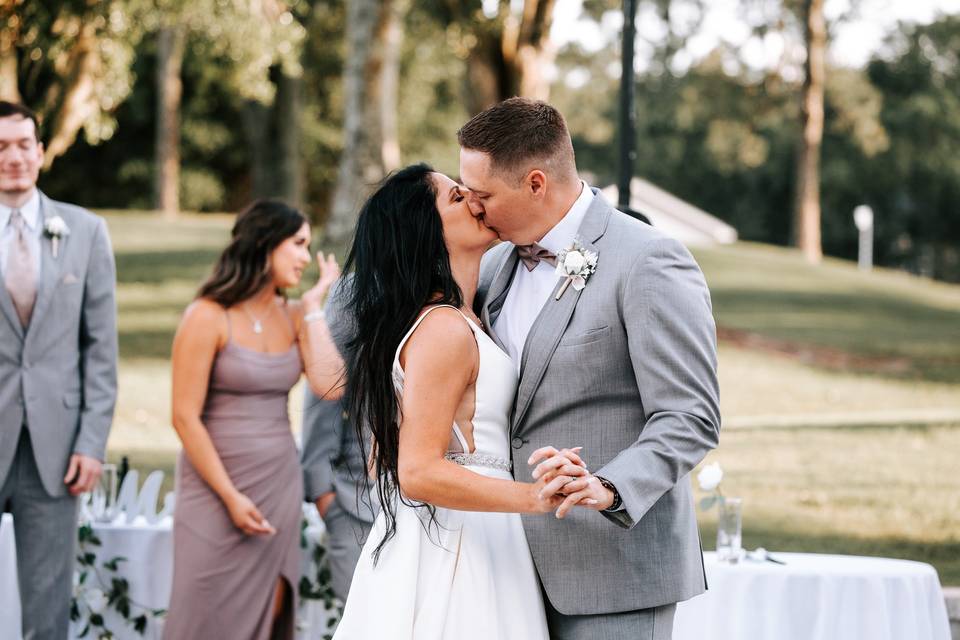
[440,362]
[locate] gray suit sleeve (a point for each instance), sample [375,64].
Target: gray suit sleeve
[322,425]
[323,421]
[672,341]
[98,347]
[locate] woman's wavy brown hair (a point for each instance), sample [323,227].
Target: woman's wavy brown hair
[243,268]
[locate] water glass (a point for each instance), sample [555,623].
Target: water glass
[729,533]
[103,502]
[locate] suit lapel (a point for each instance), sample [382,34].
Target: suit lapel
[50,266]
[555,315]
[498,294]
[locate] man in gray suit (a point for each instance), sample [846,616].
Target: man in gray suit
[58,370]
[622,363]
[333,467]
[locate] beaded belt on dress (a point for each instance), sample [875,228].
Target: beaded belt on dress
[479,460]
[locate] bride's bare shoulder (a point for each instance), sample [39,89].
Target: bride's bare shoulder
[443,337]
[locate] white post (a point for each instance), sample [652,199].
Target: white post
[863,218]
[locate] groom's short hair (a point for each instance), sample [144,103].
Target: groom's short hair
[519,135]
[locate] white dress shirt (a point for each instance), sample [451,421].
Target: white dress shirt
[530,289]
[34,231]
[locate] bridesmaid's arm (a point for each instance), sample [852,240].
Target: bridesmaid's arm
[440,362]
[321,360]
[202,332]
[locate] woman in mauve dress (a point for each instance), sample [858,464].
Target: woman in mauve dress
[240,347]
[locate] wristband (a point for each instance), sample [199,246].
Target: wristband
[315,315]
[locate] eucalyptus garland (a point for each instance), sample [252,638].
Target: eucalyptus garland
[103,587]
[316,583]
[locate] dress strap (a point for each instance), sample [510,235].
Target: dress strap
[226,312]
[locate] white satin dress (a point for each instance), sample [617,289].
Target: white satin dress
[471,577]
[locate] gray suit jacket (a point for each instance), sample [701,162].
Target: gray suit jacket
[331,456]
[60,376]
[626,368]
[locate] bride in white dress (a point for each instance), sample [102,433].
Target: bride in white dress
[447,557]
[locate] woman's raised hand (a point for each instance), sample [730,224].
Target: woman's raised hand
[329,272]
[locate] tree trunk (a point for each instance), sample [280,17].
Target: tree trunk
[257,125]
[288,108]
[511,56]
[9,83]
[806,220]
[489,77]
[166,187]
[78,99]
[390,83]
[361,161]
[534,50]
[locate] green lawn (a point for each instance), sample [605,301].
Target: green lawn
[840,390]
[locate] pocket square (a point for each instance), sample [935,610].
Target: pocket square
[70,279]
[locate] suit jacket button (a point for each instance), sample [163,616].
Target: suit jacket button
[517,443]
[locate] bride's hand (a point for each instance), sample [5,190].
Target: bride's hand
[329,272]
[544,502]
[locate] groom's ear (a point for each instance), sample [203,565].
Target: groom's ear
[536,182]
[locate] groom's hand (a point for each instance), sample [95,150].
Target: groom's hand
[555,468]
[585,491]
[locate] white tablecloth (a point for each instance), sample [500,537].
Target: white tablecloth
[149,570]
[812,597]
[816,597]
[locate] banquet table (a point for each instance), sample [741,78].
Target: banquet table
[816,597]
[811,597]
[148,549]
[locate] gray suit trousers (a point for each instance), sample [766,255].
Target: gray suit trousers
[46,532]
[644,624]
[346,536]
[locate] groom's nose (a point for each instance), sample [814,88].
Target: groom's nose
[476,207]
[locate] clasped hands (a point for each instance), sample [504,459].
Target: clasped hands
[563,481]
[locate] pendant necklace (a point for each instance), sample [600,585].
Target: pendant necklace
[255,321]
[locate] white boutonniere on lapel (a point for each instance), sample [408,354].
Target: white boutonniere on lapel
[55,229]
[575,264]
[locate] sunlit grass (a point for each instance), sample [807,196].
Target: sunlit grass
[883,491]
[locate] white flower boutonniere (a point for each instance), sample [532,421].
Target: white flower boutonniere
[55,229]
[575,264]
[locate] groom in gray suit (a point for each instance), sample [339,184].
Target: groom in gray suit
[58,363]
[619,359]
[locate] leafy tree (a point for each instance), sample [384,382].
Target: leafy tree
[71,61]
[916,182]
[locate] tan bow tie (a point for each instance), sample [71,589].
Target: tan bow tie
[532,254]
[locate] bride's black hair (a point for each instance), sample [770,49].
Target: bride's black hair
[400,264]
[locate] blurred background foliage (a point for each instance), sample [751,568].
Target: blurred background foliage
[265,93]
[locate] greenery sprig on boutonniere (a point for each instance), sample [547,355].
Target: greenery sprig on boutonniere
[576,264]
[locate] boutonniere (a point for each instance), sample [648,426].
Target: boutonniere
[575,264]
[55,229]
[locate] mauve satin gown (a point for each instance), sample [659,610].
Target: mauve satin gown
[224,581]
